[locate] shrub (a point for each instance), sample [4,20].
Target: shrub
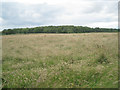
[102,59]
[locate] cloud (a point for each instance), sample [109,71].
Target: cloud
[90,13]
[25,13]
[20,14]
[104,24]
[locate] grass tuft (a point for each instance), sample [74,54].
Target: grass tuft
[102,59]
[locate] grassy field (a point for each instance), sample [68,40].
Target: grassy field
[86,60]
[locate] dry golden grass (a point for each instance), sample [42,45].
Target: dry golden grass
[60,60]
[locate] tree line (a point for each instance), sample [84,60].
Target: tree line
[57,29]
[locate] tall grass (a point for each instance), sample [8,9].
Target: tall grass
[60,60]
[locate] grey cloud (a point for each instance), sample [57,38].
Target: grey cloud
[99,6]
[26,15]
[18,14]
[94,8]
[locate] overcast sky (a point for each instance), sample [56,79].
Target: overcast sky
[31,13]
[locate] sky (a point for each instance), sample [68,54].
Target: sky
[32,13]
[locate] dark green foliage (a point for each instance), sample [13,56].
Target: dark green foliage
[102,59]
[57,29]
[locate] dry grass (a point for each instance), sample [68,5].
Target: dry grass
[60,60]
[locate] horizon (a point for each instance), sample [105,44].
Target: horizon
[56,26]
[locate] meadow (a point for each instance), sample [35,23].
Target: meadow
[85,60]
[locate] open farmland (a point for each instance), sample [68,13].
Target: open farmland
[86,60]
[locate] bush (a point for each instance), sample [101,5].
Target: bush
[102,59]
